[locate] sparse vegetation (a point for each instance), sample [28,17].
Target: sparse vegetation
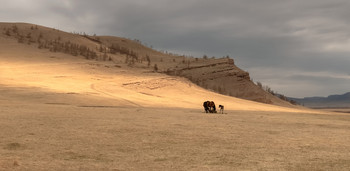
[116,48]
[20,39]
[182,65]
[8,33]
[55,45]
[148,61]
[15,29]
[269,90]
[155,67]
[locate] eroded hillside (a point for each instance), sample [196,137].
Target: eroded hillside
[219,75]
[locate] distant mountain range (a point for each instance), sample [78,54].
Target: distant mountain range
[332,101]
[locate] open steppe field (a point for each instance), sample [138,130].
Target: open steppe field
[63,136]
[64,113]
[339,110]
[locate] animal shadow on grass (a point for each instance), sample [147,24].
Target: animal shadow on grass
[13,146]
[218,113]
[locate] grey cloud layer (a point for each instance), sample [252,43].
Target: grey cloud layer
[282,36]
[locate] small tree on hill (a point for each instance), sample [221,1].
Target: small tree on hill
[8,33]
[148,61]
[156,67]
[20,39]
[259,84]
[14,29]
[29,36]
[127,59]
[105,56]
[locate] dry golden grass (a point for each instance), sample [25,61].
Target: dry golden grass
[64,113]
[65,136]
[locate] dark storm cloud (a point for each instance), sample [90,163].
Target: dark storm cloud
[272,39]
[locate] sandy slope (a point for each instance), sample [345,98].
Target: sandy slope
[217,74]
[56,72]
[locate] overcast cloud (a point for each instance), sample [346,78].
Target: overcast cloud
[297,47]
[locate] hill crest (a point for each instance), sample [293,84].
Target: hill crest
[219,75]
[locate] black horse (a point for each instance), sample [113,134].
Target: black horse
[209,106]
[206,107]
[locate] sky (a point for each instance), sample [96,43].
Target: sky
[299,48]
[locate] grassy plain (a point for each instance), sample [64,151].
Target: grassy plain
[68,136]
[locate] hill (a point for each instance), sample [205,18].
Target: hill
[332,101]
[218,75]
